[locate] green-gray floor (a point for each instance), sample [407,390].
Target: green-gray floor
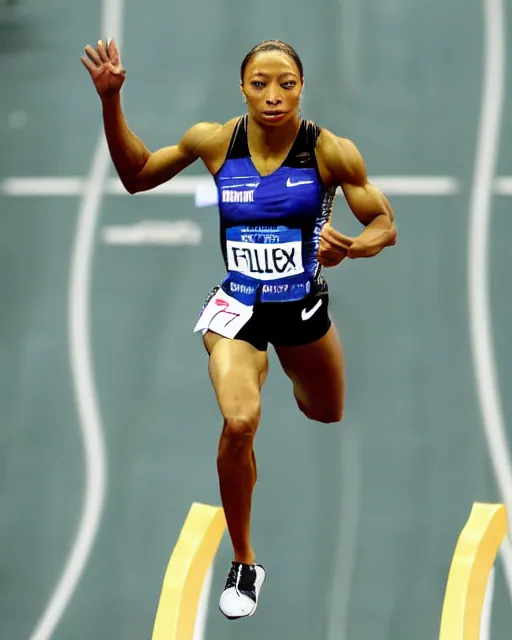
[355,523]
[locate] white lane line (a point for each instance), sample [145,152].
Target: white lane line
[503,186]
[74,186]
[478,261]
[202,609]
[82,370]
[486,619]
[346,549]
[417,185]
[43,186]
[154,232]
[188,185]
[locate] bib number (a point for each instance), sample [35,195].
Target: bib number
[264,253]
[224,315]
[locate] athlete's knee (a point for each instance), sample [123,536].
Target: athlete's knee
[321,412]
[239,431]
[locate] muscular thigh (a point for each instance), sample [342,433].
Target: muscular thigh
[318,375]
[237,371]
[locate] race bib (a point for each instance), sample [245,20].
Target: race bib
[224,315]
[264,253]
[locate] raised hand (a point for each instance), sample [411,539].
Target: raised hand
[104,65]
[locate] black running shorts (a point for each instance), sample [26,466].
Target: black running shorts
[287,324]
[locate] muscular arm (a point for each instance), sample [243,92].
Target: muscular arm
[369,205]
[138,168]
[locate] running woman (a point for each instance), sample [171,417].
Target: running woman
[276,176]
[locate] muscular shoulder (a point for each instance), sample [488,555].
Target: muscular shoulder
[340,159]
[205,139]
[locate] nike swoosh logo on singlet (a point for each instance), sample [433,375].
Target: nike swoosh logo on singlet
[289,183]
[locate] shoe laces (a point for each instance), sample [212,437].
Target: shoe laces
[234,575]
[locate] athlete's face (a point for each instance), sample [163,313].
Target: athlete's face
[272,87]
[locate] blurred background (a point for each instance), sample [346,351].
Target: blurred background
[108,424]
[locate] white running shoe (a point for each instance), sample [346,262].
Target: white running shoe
[240,596]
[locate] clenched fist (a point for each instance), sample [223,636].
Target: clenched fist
[104,65]
[334,246]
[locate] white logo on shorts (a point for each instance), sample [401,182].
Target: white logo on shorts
[306,315]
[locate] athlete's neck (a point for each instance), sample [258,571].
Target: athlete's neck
[271,141]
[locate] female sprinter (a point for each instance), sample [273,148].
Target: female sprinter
[276,176]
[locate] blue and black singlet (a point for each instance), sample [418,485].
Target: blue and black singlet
[270,225]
